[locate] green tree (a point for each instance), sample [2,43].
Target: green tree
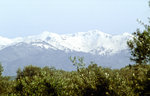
[78,62]
[1,69]
[5,84]
[35,81]
[140,45]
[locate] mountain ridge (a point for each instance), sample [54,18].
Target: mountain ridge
[95,41]
[51,49]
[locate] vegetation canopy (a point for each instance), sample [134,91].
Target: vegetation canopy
[140,45]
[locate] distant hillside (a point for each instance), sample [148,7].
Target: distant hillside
[50,49]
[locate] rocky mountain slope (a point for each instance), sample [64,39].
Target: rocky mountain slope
[51,49]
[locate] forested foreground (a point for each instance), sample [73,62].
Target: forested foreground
[132,80]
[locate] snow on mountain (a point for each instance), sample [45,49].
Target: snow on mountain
[4,42]
[95,42]
[51,49]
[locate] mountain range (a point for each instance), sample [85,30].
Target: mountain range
[51,49]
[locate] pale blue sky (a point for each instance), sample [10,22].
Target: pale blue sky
[30,17]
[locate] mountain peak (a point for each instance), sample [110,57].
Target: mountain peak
[93,41]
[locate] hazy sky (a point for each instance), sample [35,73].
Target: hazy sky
[30,17]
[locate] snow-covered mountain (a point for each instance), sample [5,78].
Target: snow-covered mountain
[95,42]
[51,49]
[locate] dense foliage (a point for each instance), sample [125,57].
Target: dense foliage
[132,80]
[5,84]
[140,44]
